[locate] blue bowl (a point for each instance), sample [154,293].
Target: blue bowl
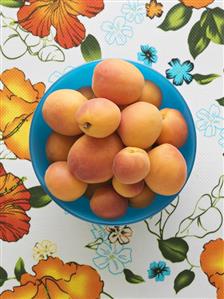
[80,77]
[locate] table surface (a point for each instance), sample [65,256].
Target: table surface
[47,253]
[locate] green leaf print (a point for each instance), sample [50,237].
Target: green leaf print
[197,40]
[174,249]
[177,17]
[38,198]
[3,276]
[19,269]
[90,49]
[132,278]
[205,79]
[12,3]
[221,101]
[213,19]
[183,279]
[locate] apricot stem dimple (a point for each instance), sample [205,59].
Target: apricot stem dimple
[87,125]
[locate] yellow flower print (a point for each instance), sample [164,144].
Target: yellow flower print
[19,99]
[55,279]
[154,9]
[44,249]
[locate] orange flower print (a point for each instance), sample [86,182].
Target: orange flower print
[14,202]
[197,3]
[19,99]
[154,9]
[57,280]
[218,281]
[39,15]
[212,264]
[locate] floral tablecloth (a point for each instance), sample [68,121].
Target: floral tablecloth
[47,253]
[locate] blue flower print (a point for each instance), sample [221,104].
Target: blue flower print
[158,271]
[221,139]
[117,31]
[148,55]
[134,11]
[180,73]
[99,231]
[112,257]
[56,74]
[208,121]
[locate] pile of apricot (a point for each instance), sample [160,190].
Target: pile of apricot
[111,142]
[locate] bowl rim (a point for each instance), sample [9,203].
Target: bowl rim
[99,220]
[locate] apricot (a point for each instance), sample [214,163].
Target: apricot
[174,128]
[59,111]
[127,190]
[93,187]
[151,93]
[141,125]
[131,165]
[118,81]
[58,146]
[98,117]
[87,92]
[168,170]
[90,159]
[142,200]
[62,184]
[106,203]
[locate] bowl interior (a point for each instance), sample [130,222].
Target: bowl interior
[80,77]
